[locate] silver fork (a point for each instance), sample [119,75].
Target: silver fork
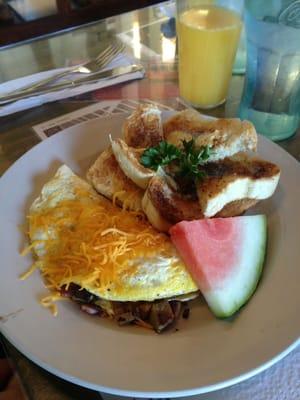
[89,67]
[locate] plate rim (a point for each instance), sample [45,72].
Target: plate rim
[162,394]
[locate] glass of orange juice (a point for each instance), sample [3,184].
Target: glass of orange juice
[208,33]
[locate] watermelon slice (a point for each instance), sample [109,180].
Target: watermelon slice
[224,256]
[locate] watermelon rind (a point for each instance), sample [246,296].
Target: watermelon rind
[231,295]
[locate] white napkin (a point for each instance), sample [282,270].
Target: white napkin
[34,101]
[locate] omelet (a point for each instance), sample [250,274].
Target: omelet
[81,238]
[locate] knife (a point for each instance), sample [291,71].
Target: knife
[71,83]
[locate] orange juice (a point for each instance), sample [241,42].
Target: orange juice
[208,38]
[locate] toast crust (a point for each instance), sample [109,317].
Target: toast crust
[143,128]
[225,137]
[220,174]
[233,180]
[129,161]
[153,215]
[236,208]
[242,165]
[171,205]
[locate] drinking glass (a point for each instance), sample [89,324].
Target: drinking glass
[208,34]
[271,95]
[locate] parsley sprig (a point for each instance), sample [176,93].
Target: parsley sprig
[191,161]
[162,154]
[186,162]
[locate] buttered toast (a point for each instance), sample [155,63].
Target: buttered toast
[236,179]
[229,188]
[143,128]
[225,137]
[129,161]
[108,179]
[231,180]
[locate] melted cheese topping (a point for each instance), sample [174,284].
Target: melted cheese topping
[80,237]
[92,244]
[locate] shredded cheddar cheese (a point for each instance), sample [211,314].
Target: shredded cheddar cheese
[32,268]
[90,242]
[129,201]
[49,302]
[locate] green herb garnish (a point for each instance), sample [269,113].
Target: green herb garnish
[192,158]
[186,162]
[162,154]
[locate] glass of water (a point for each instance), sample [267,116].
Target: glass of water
[271,96]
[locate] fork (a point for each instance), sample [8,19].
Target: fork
[89,67]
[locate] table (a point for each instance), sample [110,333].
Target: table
[141,31]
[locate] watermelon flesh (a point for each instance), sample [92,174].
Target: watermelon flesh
[224,256]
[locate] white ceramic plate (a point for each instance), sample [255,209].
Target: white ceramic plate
[206,353]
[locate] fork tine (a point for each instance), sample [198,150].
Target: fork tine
[117,46]
[110,50]
[103,54]
[113,45]
[115,50]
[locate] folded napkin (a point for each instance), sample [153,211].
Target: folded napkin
[34,101]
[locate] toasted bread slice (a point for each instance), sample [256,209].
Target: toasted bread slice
[231,187]
[154,216]
[143,128]
[240,179]
[225,137]
[108,179]
[164,206]
[129,161]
